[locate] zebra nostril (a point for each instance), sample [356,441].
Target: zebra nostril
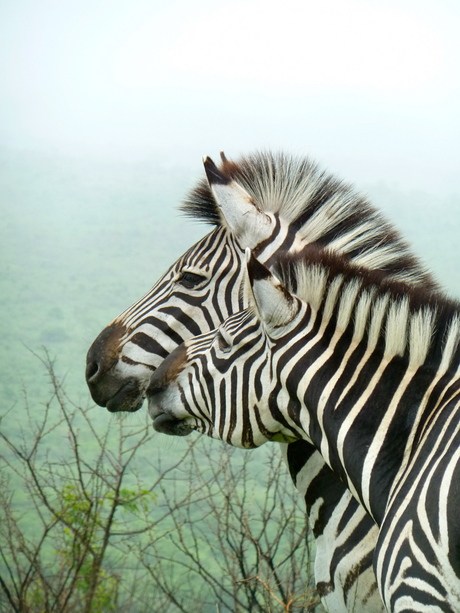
[103,353]
[92,371]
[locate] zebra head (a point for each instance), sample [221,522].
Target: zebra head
[273,204]
[220,383]
[199,291]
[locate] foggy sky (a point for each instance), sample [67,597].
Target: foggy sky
[371,89]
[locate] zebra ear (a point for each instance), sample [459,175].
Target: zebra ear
[276,306]
[238,210]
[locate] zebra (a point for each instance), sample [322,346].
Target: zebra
[366,369]
[275,204]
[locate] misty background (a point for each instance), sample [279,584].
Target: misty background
[106,110]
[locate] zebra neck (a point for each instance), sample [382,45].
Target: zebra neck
[362,404]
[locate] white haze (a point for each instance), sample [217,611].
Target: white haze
[369,88]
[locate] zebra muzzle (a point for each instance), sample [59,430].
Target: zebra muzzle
[128,398]
[168,424]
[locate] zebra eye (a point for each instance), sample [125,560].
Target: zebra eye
[224,345]
[190,279]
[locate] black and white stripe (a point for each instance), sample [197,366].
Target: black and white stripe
[286,203]
[369,371]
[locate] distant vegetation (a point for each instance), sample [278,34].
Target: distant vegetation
[93,519]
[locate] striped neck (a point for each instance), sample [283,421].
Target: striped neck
[367,360]
[395,319]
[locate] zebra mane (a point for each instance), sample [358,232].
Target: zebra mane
[319,208]
[402,319]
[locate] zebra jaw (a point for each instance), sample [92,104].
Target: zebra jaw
[164,421]
[126,399]
[168,424]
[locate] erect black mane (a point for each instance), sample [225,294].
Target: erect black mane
[445,310]
[319,208]
[262,173]
[287,266]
